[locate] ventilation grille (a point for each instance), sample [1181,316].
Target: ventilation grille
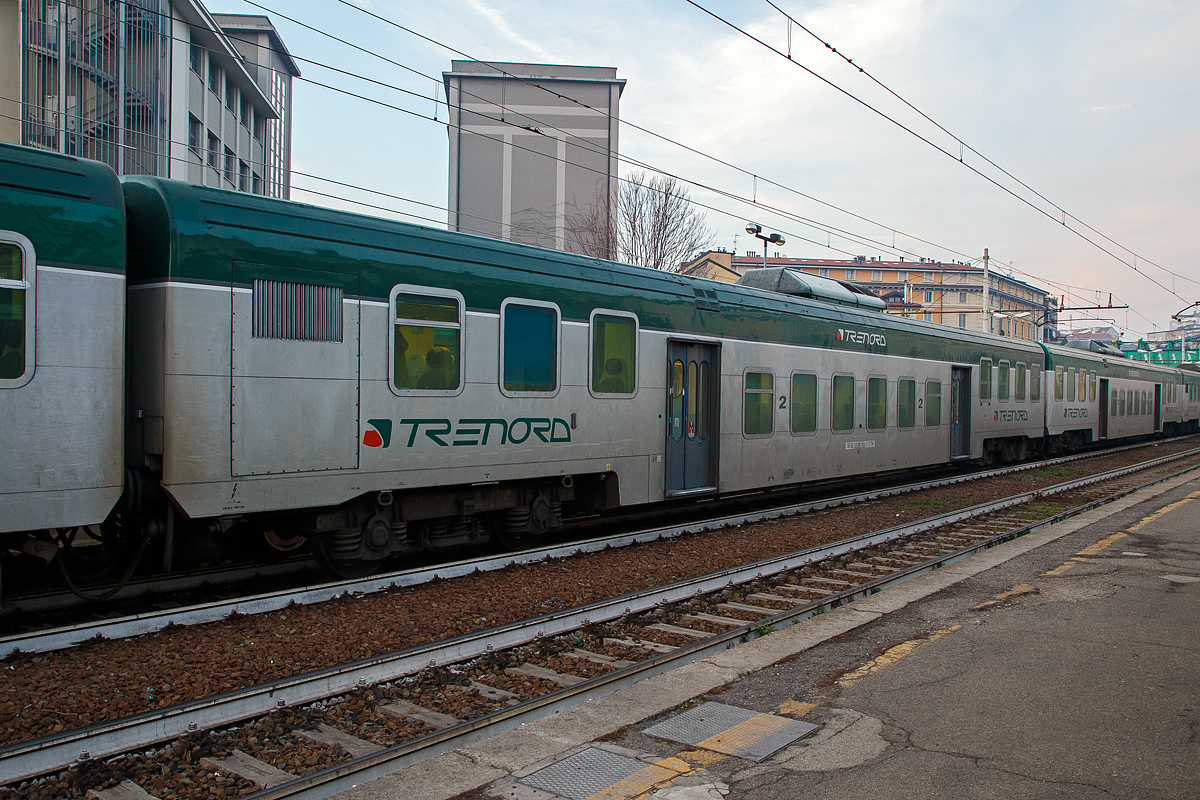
[297,311]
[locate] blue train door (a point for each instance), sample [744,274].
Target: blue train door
[960,412]
[691,418]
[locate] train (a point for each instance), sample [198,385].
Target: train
[185,369]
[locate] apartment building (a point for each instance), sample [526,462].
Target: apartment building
[150,87]
[949,294]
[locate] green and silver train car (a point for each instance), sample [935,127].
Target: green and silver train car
[1093,397]
[379,385]
[301,374]
[62,331]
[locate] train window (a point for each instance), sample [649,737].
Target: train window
[702,410]
[529,347]
[985,379]
[426,340]
[1092,381]
[1004,376]
[1020,392]
[1058,383]
[691,400]
[804,403]
[876,403]
[614,354]
[16,326]
[1083,381]
[759,405]
[933,404]
[1035,383]
[841,417]
[906,403]
[676,400]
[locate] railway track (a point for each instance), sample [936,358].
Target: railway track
[38,638]
[332,728]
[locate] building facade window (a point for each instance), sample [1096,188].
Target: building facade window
[823,272]
[929,297]
[214,77]
[928,316]
[962,320]
[876,274]
[962,298]
[195,59]
[850,274]
[230,93]
[195,129]
[930,277]
[214,148]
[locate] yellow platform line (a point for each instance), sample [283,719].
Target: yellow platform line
[1109,541]
[644,780]
[890,657]
[740,737]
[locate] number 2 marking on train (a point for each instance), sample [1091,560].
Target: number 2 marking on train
[782,401]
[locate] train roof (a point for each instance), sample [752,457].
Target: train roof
[1105,365]
[185,232]
[71,209]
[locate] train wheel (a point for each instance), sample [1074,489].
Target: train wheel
[326,549]
[505,528]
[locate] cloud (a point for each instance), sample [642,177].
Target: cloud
[1110,108]
[496,18]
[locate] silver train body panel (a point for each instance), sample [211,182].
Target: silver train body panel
[61,441]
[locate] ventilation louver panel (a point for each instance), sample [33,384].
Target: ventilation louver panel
[297,311]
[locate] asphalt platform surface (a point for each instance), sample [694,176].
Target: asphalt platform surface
[1065,664]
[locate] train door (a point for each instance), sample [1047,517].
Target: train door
[960,412]
[1103,408]
[692,418]
[294,371]
[1157,407]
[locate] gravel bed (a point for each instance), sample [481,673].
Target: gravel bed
[104,680]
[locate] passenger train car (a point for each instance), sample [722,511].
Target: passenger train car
[195,366]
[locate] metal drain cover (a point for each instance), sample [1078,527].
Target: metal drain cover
[595,772]
[732,730]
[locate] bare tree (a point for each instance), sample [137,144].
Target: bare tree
[656,225]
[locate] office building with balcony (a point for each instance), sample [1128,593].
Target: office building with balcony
[150,87]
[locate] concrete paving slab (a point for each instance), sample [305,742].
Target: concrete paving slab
[436,779]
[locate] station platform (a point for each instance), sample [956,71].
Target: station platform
[1062,664]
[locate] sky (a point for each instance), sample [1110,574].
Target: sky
[1094,104]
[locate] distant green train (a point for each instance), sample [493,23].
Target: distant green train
[184,368]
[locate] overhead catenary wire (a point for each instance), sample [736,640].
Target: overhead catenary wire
[822,227]
[604,112]
[935,146]
[540,126]
[793,21]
